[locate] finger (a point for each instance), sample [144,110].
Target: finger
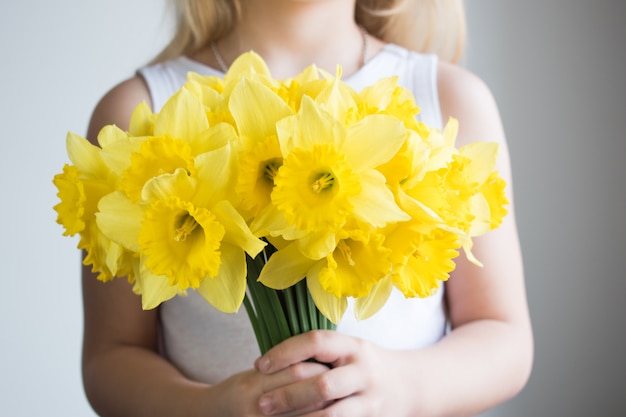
[348,407]
[300,412]
[325,388]
[292,374]
[324,346]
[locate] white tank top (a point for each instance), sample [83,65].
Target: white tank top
[208,345]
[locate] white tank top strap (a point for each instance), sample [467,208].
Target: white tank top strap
[165,78]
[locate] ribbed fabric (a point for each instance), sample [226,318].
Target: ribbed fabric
[208,345]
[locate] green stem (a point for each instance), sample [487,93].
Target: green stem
[260,334]
[312,309]
[262,307]
[292,313]
[277,315]
[324,323]
[254,309]
[272,325]
[301,304]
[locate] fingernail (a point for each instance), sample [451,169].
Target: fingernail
[263,364]
[266,405]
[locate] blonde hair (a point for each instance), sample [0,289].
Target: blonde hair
[431,26]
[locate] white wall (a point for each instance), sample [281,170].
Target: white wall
[555,67]
[57,59]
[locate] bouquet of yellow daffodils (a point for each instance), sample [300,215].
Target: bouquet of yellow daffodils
[287,196]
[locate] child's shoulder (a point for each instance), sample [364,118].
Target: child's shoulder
[466,97]
[117,105]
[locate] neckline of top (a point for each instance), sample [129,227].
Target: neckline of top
[206,69]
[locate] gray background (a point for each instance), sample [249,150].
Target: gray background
[556,69]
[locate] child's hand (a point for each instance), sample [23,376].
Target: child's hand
[241,392]
[363,379]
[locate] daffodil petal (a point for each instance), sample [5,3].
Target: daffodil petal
[494,191]
[237,231]
[285,268]
[214,138]
[112,257]
[481,223]
[483,157]
[278,242]
[116,155]
[375,204]
[385,134]
[226,291]
[71,209]
[204,87]
[85,156]
[450,132]
[311,126]
[171,121]
[367,306]
[248,64]
[442,149]
[111,134]
[329,305]
[256,109]
[467,249]
[338,97]
[179,184]
[417,209]
[141,121]
[120,220]
[316,245]
[379,94]
[307,76]
[155,289]
[216,175]
[271,221]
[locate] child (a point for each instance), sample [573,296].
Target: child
[187,359]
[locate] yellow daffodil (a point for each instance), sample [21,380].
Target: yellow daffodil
[260,155]
[488,199]
[426,149]
[71,209]
[386,97]
[338,99]
[493,190]
[305,83]
[181,133]
[183,117]
[258,168]
[209,90]
[482,157]
[157,155]
[185,229]
[81,186]
[423,249]
[328,178]
[409,164]
[214,92]
[421,258]
[357,264]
